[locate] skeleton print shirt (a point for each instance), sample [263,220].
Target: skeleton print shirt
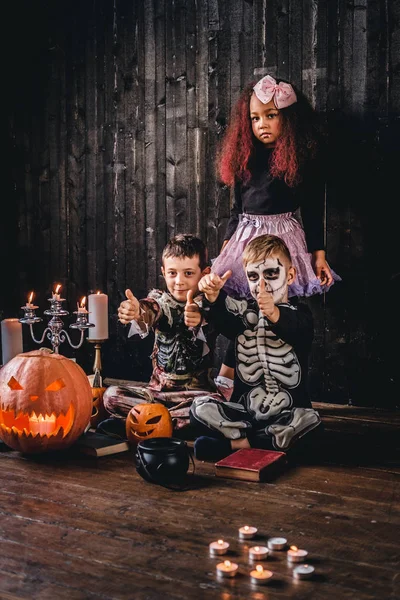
[182,357]
[271,359]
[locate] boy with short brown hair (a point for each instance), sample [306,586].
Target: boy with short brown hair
[270,407]
[182,356]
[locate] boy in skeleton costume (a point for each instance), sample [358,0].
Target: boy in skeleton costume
[183,347]
[269,407]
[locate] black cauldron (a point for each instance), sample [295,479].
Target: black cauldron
[162,460]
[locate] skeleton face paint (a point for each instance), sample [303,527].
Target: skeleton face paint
[273,272]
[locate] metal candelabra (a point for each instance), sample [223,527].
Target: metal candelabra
[54,331]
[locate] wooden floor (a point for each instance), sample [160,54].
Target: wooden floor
[83,528]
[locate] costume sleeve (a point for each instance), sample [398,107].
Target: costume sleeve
[295,326]
[236,210]
[313,205]
[225,321]
[150,313]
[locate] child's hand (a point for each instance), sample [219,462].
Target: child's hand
[265,301]
[192,313]
[211,284]
[321,268]
[129,309]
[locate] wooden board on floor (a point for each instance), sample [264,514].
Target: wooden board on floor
[80,528]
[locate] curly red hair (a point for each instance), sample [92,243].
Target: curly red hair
[297,142]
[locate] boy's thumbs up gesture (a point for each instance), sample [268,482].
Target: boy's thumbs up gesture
[211,284]
[129,309]
[192,315]
[265,301]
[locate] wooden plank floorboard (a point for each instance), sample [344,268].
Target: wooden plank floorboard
[81,528]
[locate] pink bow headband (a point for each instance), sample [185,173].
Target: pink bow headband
[282,93]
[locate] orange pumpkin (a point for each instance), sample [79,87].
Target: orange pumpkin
[147,421]
[98,410]
[45,401]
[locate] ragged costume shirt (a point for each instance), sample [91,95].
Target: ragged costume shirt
[182,357]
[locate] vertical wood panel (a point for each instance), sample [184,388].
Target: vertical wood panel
[116,112]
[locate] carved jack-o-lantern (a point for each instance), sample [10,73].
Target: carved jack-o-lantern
[147,421]
[45,401]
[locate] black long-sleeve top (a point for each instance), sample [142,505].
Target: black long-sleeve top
[265,195]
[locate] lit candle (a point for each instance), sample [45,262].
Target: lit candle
[29,303]
[11,339]
[303,572]
[277,543]
[56,295]
[98,309]
[247,532]
[227,569]
[219,547]
[258,553]
[295,554]
[82,307]
[260,576]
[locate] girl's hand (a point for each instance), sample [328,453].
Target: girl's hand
[211,284]
[192,315]
[129,310]
[265,301]
[321,268]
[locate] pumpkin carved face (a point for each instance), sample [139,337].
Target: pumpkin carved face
[147,421]
[45,401]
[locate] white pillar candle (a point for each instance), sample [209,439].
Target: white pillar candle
[11,339]
[98,314]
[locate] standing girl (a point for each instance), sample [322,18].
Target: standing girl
[272,158]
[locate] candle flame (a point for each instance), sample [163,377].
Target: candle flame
[58,287]
[256,548]
[83,302]
[260,569]
[246,527]
[220,542]
[30,298]
[227,563]
[294,548]
[98,292]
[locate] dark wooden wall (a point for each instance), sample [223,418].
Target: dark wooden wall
[115,109]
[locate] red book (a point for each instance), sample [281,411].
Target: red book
[251,464]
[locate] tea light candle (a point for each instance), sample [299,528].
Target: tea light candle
[277,543]
[258,553]
[295,554]
[219,547]
[246,532]
[227,569]
[260,576]
[303,572]
[98,307]
[11,339]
